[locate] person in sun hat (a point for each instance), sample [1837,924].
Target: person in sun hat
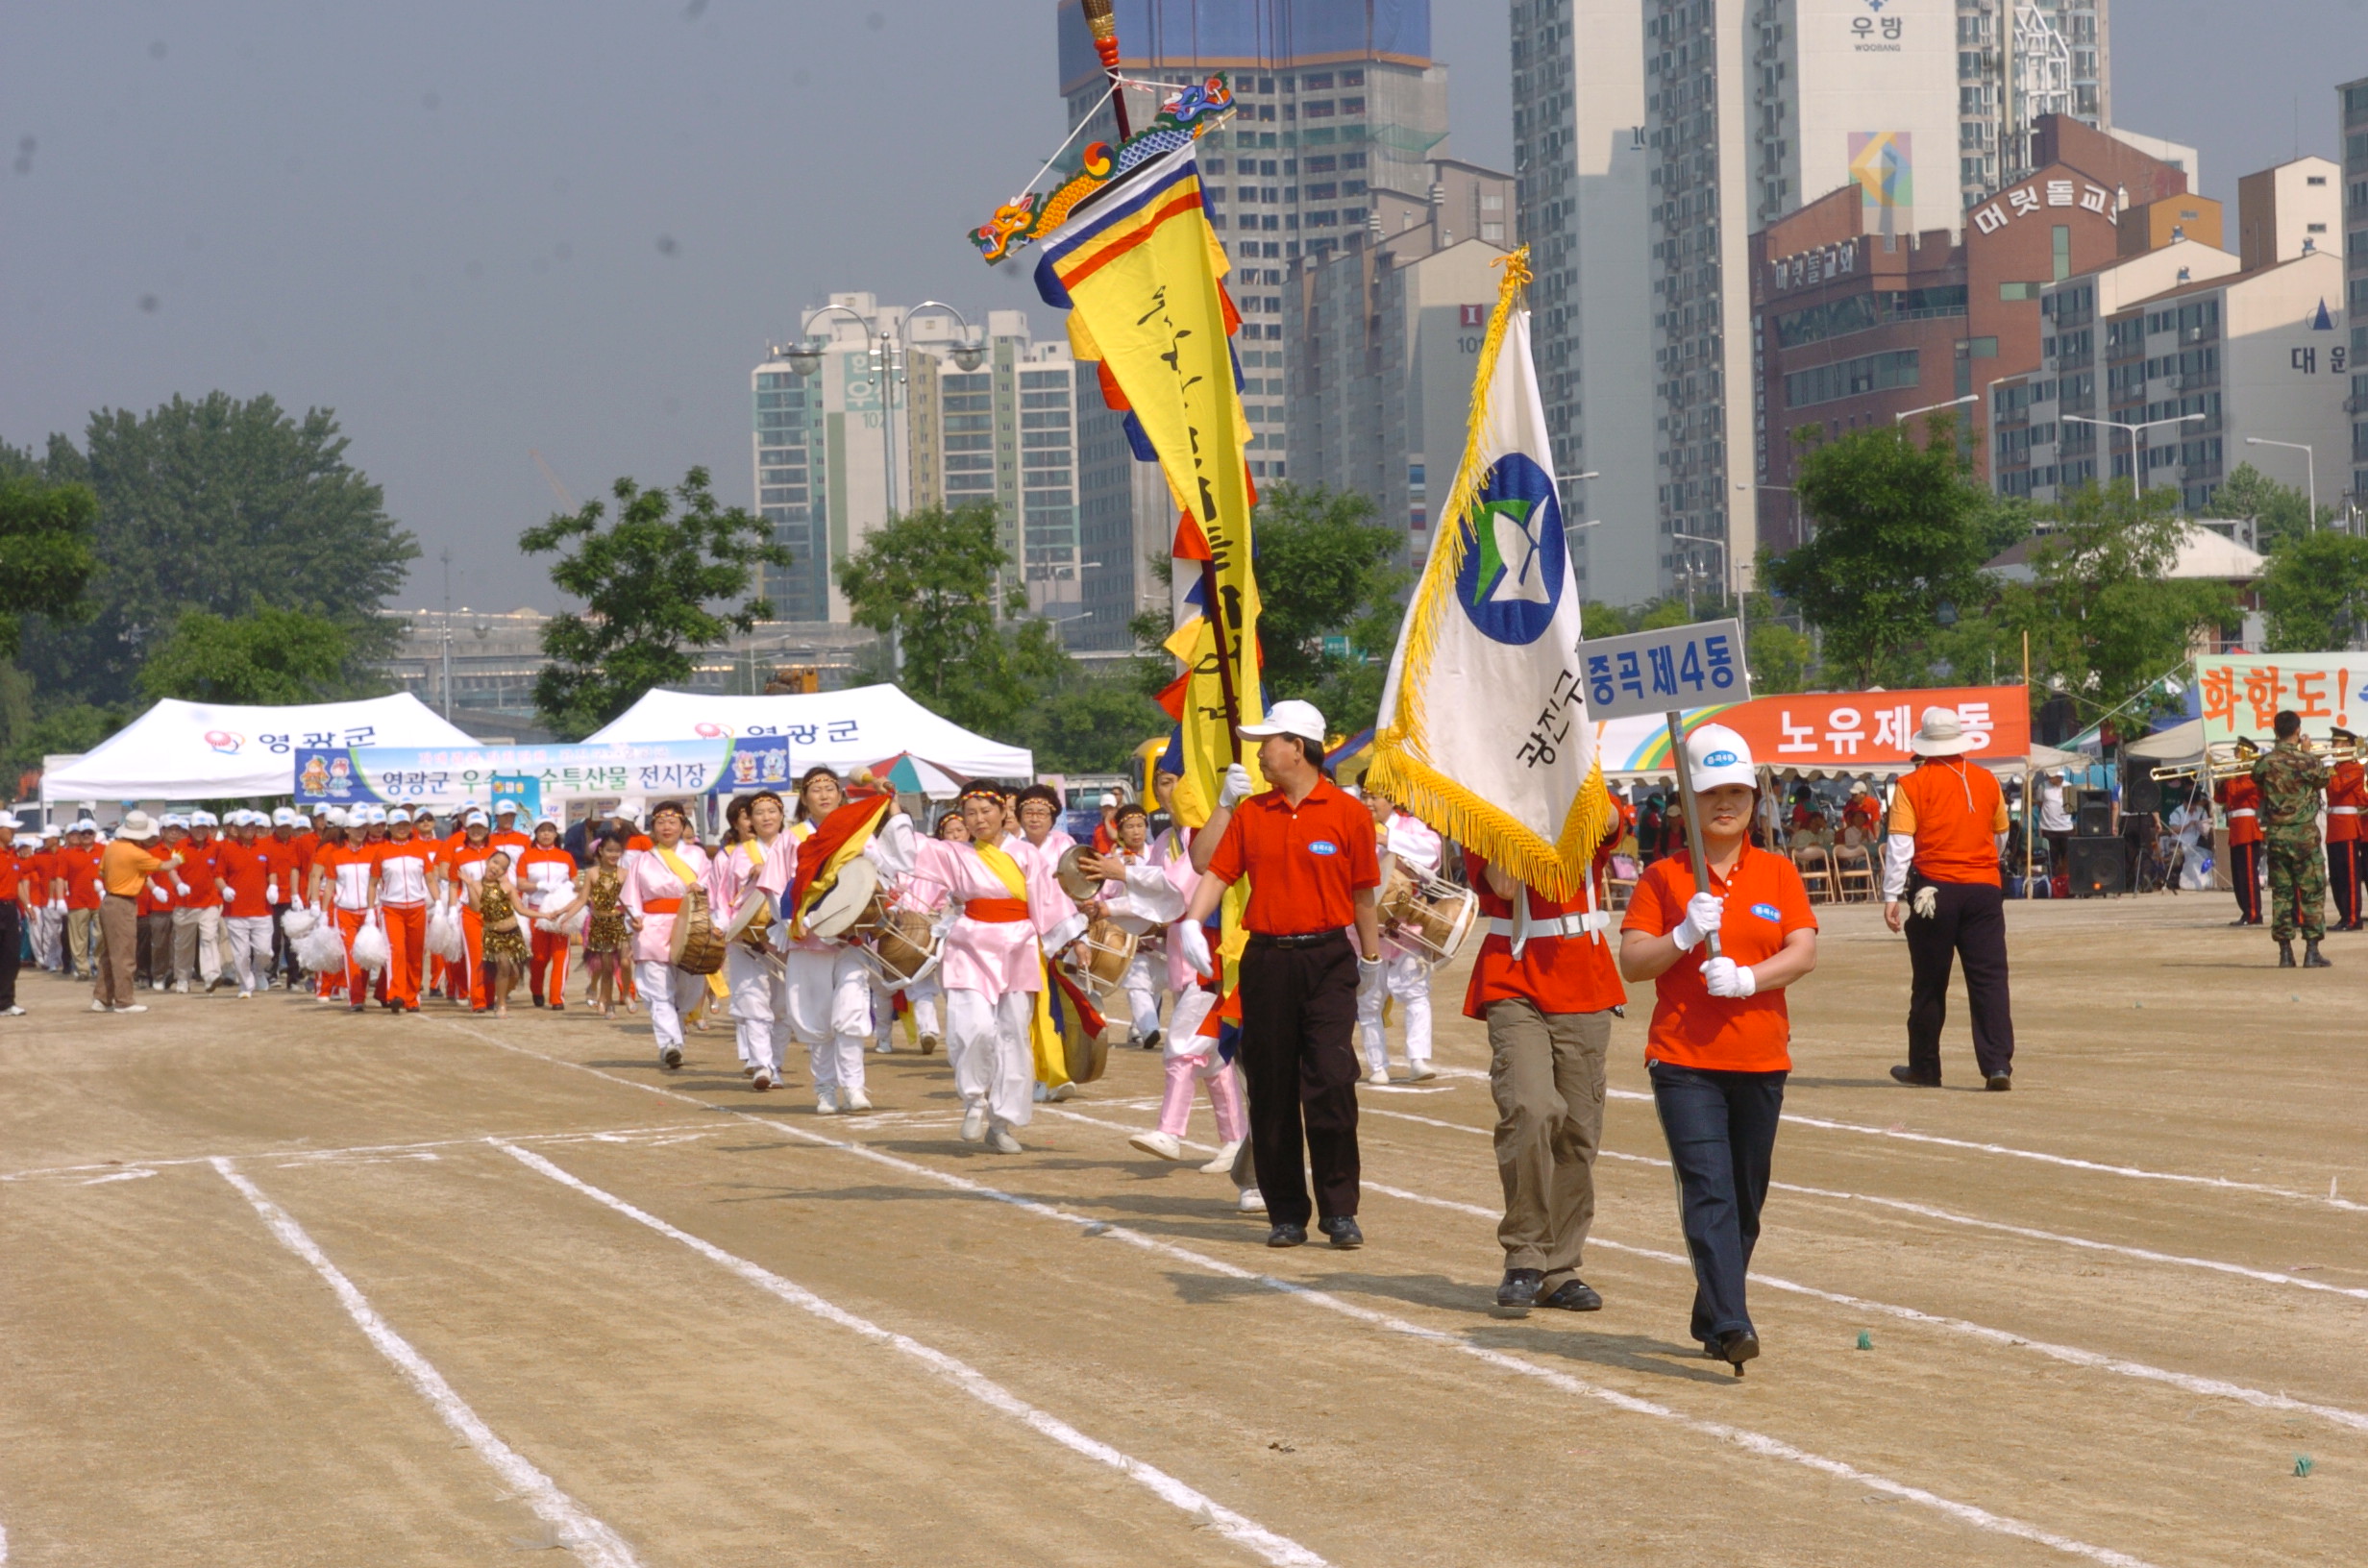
[122,866]
[1310,853]
[1718,1047]
[1940,884]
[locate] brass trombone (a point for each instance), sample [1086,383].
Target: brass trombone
[2235,760]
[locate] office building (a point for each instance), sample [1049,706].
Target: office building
[2352,97]
[2168,363]
[1333,99]
[1856,327]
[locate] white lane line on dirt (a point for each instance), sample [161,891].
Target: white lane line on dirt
[592,1541]
[2137,1173]
[1751,1441]
[149,1167]
[1279,1550]
[1928,1211]
[2072,1355]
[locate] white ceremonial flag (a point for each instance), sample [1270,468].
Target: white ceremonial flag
[1484,731]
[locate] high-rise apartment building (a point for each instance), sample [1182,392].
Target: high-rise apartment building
[2352,100]
[1333,99]
[2016,61]
[877,411]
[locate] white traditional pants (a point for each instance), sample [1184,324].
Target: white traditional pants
[1142,984]
[829,1011]
[197,944]
[924,998]
[760,1008]
[250,943]
[1407,980]
[670,993]
[987,1044]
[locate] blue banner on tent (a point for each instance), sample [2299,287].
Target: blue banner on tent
[536,776]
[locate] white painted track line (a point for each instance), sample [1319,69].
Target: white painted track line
[593,1542]
[2071,1355]
[1927,1212]
[129,1169]
[1275,1548]
[2007,1151]
[1753,1442]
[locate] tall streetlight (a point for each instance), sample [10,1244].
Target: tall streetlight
[2135,489]
[2310,461]
[884,344]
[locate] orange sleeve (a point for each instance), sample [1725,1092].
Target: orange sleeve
[1225,864]
[1903,807]
[1645,902]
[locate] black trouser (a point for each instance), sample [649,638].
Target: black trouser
[2245,872]
[1721,1129]
[1299,1064]
[283,951]
[2343,862]
[11,951]
[1968,922]
[2059,854]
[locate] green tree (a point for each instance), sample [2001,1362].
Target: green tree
[2277,512]
[268,657]
[2101,610]
[646,581]
[1088,723]
[45,555]
[1900,531]
[218,506]
[2316,592]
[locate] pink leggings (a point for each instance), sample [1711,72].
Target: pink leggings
[1225,1100]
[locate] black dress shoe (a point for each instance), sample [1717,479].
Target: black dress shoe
[1998,1082]
[1287,1235]
[1518,1293]
[1151,1042]
[1734,1347]
[1574,1296]
[1909,1077]
[1344,1232]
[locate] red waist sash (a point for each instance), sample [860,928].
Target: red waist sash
[661,906]
[996,910]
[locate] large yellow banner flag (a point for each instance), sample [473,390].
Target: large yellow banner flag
[1138,273]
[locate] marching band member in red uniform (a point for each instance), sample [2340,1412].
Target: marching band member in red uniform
[2240,800]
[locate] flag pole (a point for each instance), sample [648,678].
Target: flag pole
[1693,820]
[1101,20]
[1215,606]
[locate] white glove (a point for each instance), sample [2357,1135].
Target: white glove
[1237,787]
[1366,968]
[271,893]
[182,888]
[1703,912]
[1725,977]
[1927,902]
[1195,946]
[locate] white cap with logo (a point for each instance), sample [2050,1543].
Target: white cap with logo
[1290,717]
[1717,756]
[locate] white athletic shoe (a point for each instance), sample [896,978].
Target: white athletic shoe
[1001,1141]
[975,1123]
[100,1006]
[853,1099]
[826,1102]
[1379,1075]
[759,1080]
[1159,1143]
[1250,1203]
[1061,1092]
[246,995]
[1222,1165]
[1421,1072]
[133,1007]
[12,1013]
[1037,1093]
[883,1048]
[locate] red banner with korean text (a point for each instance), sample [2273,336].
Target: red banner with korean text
[1834,732]
[2242,694]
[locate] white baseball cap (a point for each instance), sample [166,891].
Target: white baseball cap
[204,819]
[336,817]
[506,808]
[546,820]
[1290,717]
[401,813]
[476,819]
[1717,756]
[286,817]
[83,824]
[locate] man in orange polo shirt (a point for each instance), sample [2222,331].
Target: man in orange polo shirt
[77,891]
[1308,850]
[12,917]
[1948,816]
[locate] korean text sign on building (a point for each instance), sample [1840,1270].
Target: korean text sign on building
[460,775]
[2242,694]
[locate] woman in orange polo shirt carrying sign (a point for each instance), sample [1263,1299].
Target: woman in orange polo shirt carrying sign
[1720,1043]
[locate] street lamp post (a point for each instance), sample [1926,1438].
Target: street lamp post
[886,346]
[2135,488]
[1935,407]
[2310,467]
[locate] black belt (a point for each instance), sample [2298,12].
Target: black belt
[1305,939]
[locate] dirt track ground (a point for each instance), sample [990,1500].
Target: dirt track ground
[278,1286]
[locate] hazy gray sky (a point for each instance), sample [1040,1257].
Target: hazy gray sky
[478,231]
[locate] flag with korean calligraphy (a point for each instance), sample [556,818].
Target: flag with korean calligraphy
[1484,730]
[2240,694]
[1140,274]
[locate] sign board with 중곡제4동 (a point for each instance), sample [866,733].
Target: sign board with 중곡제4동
[1662,672]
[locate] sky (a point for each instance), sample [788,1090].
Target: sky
[479,232]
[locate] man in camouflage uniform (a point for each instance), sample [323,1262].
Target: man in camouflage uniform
[2290,779]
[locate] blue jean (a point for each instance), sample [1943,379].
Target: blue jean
[1722,1128]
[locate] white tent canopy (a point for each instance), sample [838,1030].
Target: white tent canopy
[843,731]
[2177,744]
[206,751]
